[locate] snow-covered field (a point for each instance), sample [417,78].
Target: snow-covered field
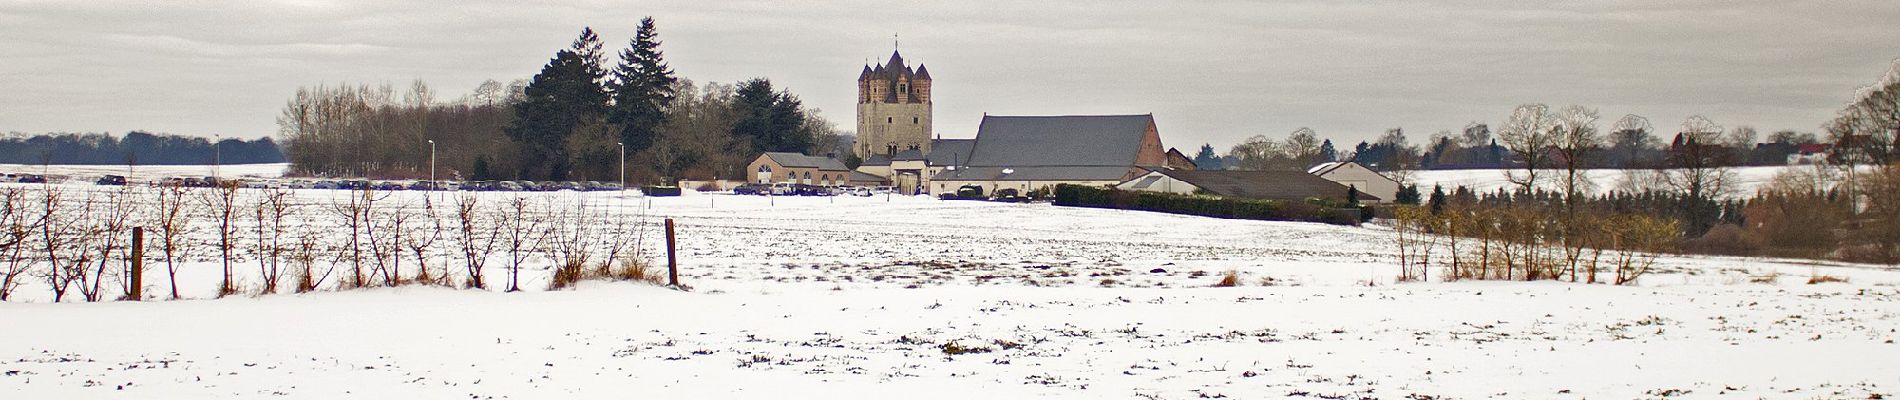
[852,297]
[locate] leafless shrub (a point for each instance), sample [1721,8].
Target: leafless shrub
[268,214]
[106,231]
[221,203]
[477,232]
[355,214]
[570,239]
[16,228]
[422,238]
[174,230]
[304,256]
[522,233]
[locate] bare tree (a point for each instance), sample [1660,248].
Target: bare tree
[1698,165]
[60,229]
[108,232]
[1303,146]
[1527,134]
[174,229]
[268,213]
[522,234]
[222,204]
[16,228]
[1630,137]
[356,215]
[1576,141]
[421,239]
[476,234]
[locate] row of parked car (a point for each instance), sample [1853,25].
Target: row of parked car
[355,184]
[799,189]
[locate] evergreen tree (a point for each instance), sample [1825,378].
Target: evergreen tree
[1408,195]
[564,96]
[1326,151]
[1438,199]
[1206,159]
[771,120]
[642,89]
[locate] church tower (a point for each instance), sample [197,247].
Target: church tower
[893,109]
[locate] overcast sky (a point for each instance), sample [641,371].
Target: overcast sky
[1210,71]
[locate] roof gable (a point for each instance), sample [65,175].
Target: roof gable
[1076,140]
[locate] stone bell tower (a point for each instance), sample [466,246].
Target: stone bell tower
[893,108]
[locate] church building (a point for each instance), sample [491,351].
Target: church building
[893,109]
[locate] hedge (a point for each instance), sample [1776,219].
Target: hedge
[1206,206]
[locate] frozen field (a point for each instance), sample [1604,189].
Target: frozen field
[854,297]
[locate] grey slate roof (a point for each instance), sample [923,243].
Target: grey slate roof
[795,160]
[908,155]
[1077,140]
[950,151]
[1274,185]
[1038,173]
[860,177]
[877,160]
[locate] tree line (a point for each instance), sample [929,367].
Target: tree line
[136,148]
[571,121]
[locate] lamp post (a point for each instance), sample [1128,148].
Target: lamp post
[433,185]
[623,165]
[215,163]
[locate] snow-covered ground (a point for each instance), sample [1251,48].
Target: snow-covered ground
[852,297]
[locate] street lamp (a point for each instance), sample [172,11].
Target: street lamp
[432,183]
[215,164]
[623,165]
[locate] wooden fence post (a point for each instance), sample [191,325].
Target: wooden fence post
[672,262]
[138,265]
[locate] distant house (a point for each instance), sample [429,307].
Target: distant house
[910,171]
[1269,185]
[1810,153]
[776,167]
[1358,176]
[1176,160]
[1025,153]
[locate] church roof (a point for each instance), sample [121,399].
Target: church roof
[897,60]
[950,151]
[909,155]
[923,72]
[795,160]
[876,160]
[1049,173]
[865,74]
[1075,140]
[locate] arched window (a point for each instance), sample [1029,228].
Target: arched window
[890,120]
[914,120]
[807,178]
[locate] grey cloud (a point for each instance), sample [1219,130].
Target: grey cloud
[1211,71]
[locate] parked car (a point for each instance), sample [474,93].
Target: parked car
[753,189]
[112,180]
